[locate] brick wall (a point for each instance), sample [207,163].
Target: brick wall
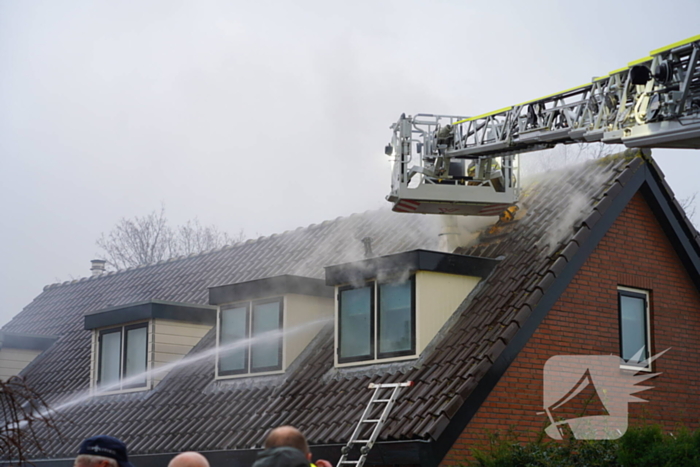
[634,253]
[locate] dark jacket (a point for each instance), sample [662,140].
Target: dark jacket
[281,457]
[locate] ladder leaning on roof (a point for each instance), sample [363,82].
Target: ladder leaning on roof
[369,421]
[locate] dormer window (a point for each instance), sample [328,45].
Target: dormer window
[123,357]
[264,324]
[389,308]
[131,343]
[394,321]
[257,322]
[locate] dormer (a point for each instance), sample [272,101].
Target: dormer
[130,343]
[390,307]
[19,350]
[264,324]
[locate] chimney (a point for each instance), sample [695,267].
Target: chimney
[368,247]
[449,236]
[98,267]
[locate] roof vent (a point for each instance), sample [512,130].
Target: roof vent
[449,235]
[367,241]
[98,267]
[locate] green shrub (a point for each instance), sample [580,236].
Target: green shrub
[651,447]
[645,446]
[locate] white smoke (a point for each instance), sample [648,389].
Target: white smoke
[462,231]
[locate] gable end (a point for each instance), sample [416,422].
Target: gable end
[639,176]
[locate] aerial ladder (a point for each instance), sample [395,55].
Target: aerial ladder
[446,164]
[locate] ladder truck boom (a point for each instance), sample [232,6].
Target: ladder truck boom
[467,165]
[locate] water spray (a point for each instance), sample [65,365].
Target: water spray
[216,350]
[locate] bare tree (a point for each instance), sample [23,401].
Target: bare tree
[22,412]
[194,238]
[688,204]
[149,239]
[141,240]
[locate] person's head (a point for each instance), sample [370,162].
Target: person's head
[287,436]
[189,459]
[102,451]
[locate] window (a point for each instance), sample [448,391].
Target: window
[248,342]
[392,327]
[356,324]
[123,357]
[635,335]
[396,319]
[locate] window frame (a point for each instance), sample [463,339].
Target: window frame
[280,326]
[400,353]
[245,368]
[125,347]
[100,334]
[375,323]
[248,370]
[646,296]
[123,331]
[372,320]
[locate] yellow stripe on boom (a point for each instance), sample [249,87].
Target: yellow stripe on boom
[675,44]
[619,70]
[641,60]
[488,114]
[555,94]
[583,86]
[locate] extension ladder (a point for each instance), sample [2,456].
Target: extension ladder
[370,422]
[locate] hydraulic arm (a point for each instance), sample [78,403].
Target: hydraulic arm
[467,165]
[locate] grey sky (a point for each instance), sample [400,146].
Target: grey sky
[263,115]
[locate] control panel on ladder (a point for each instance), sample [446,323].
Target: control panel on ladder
[467,165]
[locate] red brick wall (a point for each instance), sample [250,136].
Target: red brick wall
[635,253]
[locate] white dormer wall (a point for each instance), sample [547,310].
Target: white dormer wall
[304,315]
[438,295]
[171,341]
[18,350]
[13,361]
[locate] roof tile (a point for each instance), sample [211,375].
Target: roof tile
[625,177]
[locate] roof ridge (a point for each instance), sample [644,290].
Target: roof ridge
[211,251]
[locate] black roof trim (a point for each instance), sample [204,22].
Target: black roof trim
[267,287]
[682,240]
[158,309]
[26,341]
[409,261]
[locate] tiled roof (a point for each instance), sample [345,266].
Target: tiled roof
[63,370]
[188,410]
